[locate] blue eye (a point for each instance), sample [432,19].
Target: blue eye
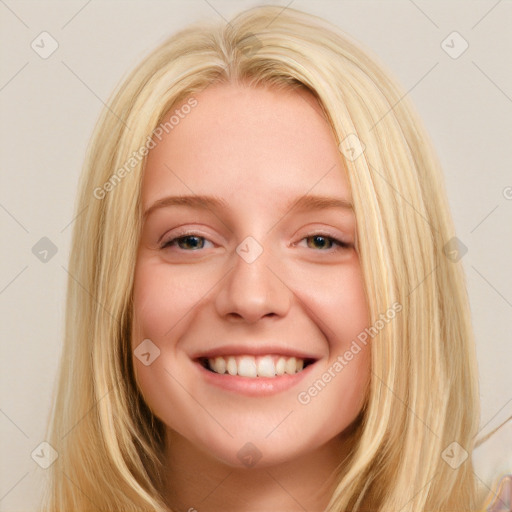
[186,242]
[194,242]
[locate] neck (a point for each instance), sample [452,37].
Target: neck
[196,481]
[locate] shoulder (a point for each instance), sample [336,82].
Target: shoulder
[501,499]
[492,461]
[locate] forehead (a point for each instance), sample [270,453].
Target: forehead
[247,143]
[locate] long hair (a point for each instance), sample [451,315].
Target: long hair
[422,399]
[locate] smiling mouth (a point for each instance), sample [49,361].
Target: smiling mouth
[255,366]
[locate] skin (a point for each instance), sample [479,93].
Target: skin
[258,149]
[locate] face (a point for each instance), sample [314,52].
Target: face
[248,288]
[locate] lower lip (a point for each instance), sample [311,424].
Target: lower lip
[257,386]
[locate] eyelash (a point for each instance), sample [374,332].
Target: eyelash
[340,243]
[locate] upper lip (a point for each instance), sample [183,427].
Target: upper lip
[260,350]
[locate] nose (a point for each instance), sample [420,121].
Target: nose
[253,290]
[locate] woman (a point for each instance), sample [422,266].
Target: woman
[266,309]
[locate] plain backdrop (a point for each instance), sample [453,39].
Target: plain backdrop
[49,107]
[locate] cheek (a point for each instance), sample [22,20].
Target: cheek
[161,302]
[163,305]
[350,315]
[350,306]
[161,298]
[333,397]
[339,302]
[335,394]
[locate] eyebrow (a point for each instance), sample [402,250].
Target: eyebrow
[303,203]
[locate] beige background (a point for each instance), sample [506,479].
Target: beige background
[48,109]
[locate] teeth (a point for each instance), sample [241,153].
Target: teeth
[266,367]
[247,367]
[252,367]
[231,365]
[219,365]
[280,366]
[291,366]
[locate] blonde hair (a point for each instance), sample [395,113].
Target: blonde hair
[423,393]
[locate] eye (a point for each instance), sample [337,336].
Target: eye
[189,242]
[194,242]
[325,242]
